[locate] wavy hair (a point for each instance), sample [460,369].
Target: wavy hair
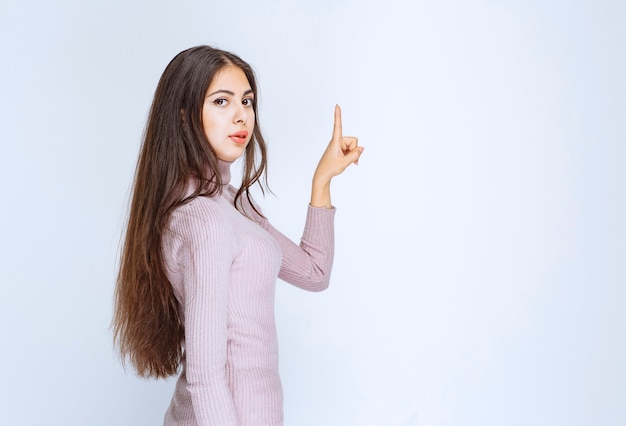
[146,324]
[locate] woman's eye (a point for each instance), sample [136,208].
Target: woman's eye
[220,102]
[248,102]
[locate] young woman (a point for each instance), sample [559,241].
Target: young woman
[199,262]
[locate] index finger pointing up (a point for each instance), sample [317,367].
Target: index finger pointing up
[337,131]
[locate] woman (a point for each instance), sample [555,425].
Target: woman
[199,263]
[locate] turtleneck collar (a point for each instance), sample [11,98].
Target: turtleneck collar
[224,169]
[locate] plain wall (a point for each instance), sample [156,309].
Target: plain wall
[480,268]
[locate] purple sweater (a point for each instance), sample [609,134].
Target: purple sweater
[223,267]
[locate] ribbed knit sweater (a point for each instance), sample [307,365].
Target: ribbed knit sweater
[223,267]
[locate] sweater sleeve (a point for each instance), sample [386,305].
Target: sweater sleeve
[205,266]
[309,264]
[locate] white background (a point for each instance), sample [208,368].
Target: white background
[481,244]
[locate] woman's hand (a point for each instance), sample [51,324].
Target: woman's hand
[340,153]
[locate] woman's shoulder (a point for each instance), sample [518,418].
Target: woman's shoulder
[201,215]
[247,205]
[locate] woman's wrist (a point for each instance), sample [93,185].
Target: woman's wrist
[320,192]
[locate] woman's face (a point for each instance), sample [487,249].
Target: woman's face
[227,113]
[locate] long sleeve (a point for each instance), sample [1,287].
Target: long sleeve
[205,258]
[309,264]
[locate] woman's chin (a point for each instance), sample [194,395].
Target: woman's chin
[230,156]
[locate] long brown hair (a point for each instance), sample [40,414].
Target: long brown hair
[146,323]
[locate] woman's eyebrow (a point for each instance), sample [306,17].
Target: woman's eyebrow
[228,92]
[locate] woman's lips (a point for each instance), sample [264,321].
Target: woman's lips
[239,137]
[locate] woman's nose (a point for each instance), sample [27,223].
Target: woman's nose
[241,115]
